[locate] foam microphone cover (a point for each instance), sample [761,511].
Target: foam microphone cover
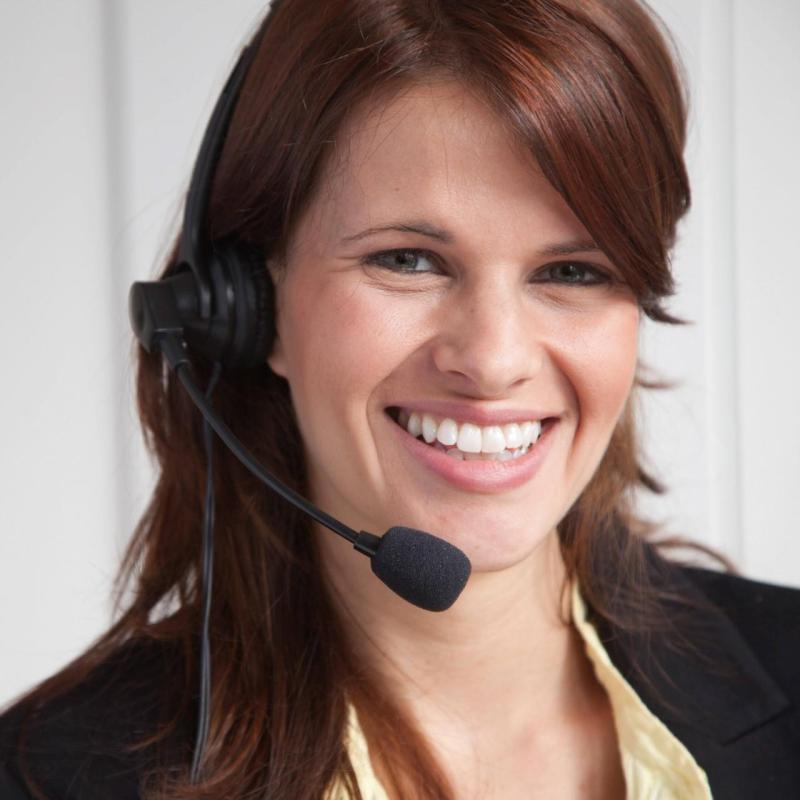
[423,569]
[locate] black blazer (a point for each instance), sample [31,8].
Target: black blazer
[744,731]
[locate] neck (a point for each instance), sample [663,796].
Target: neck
[502,658]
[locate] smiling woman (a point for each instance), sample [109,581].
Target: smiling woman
[492,323]
[460,213]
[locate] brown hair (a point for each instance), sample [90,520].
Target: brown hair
[591,89]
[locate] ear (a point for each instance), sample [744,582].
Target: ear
[276,358]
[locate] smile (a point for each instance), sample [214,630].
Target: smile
[469,441]
[455,450]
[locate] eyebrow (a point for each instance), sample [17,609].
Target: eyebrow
[566,248]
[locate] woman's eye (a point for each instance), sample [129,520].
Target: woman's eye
[413,260]
[573,272]
[407,260]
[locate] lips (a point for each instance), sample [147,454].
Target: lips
[476,475]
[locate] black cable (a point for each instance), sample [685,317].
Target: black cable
[180,364]
[204,710]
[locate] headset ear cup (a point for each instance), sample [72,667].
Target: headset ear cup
[263,336]
[254,328]
[241,331]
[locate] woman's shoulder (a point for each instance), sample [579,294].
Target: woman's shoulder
[733,588]
[727,651]
[86,740]
[727,688]
[766,615]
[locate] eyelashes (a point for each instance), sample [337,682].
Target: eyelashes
[566,273]
[571,272]
[384,257]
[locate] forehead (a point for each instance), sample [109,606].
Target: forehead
[435,151]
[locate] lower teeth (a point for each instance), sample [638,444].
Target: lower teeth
[505,455]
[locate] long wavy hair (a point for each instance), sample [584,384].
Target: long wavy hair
[592,89]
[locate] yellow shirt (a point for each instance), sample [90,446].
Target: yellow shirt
[656,765]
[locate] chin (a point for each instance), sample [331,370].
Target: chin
[493,548]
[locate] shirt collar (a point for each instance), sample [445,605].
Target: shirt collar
[655,762]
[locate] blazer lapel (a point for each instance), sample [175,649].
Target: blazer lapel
[720,694]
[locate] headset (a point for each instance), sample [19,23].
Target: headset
[222,290]
[216,303]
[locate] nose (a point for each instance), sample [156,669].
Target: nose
[488,340]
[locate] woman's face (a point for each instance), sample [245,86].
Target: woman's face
[495,311]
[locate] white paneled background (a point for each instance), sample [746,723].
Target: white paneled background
[103,105]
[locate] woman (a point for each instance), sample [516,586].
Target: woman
[465,210]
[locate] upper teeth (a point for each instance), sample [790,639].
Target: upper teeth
[470,438]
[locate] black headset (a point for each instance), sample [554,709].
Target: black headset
[221,290]
[217,299]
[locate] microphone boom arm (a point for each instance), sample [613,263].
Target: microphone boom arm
[363,541]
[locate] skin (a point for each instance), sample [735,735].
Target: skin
[499,684]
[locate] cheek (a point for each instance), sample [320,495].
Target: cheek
[600,365]
[597,359]
[341,338]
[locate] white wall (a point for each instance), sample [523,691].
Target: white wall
[59,461]
[103,107]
